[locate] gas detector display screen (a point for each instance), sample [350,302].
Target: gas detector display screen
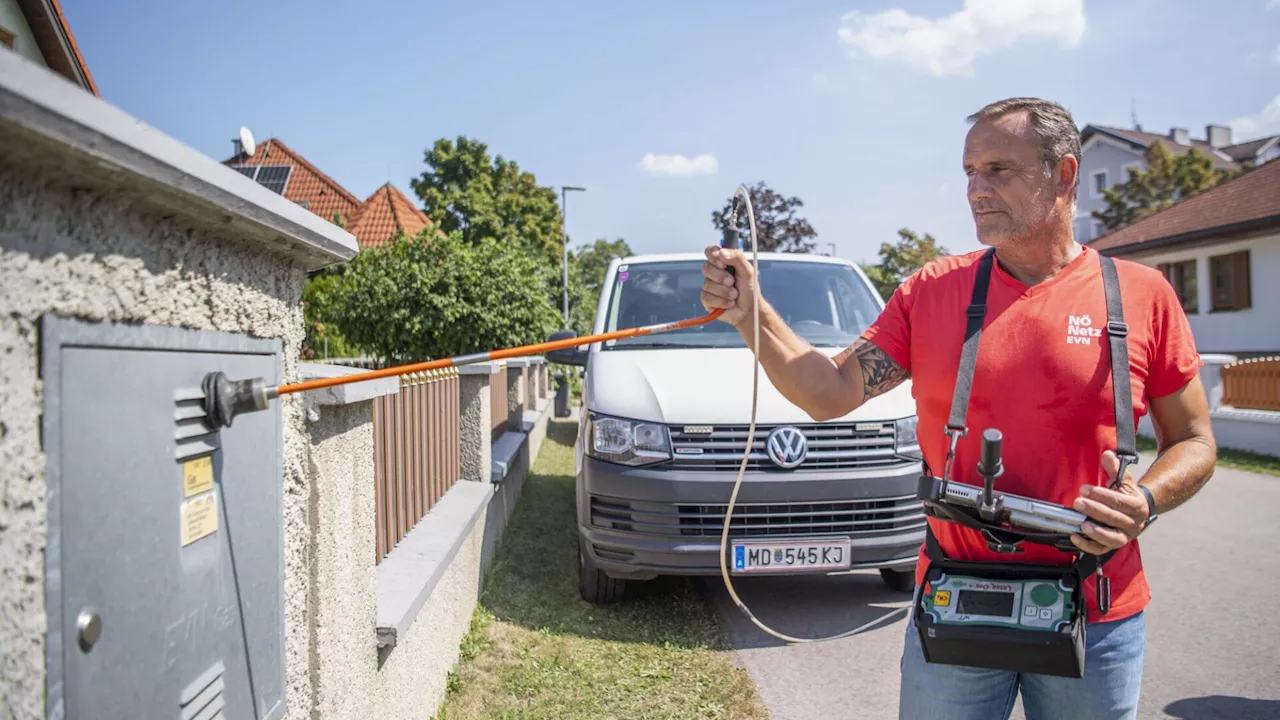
[974,602]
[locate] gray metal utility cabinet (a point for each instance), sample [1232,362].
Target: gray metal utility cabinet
[166,583]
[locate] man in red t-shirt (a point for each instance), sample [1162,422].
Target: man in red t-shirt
[1042,377]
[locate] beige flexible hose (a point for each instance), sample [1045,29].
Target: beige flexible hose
[746,453]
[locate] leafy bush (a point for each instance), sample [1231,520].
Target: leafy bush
[427,297]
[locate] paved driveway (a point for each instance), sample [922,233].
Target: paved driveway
[1213,628]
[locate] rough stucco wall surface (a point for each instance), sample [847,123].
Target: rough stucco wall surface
[343,579]
[473,398]
[86,255]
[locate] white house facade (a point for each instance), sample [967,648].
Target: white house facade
[1230,290]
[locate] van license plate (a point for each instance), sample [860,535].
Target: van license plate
[785,556]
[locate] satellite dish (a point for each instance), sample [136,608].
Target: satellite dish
[246,141]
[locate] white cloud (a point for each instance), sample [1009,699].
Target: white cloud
[1273,4]
[820,79]
[1275,57]
[680,165]
[1260,124]
[949,45]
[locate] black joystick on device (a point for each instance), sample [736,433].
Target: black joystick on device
[990,468]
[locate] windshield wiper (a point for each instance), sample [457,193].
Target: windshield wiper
[652,345]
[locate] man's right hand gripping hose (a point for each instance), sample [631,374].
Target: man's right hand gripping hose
[735,314]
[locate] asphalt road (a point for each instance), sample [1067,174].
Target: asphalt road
[1213,628]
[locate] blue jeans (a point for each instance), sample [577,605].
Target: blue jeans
[1108,691]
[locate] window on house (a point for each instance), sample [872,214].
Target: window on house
[1182,276]
[1099,183]
[1229,281]
[6,38]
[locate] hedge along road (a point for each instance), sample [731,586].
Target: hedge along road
[1212,628]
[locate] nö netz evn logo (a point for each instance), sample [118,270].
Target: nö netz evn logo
[1080,330]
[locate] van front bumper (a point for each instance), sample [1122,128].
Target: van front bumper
[638,523]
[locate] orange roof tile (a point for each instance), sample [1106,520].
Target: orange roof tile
[1248,201]
[382,214]
[316,191]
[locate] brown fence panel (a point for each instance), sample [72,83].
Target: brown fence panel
[416,452]
[498,402]
[1252,384]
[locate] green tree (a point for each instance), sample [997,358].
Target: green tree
[899,260]
[778,227]
[428,297]
[466,191]
[1166,180]
[318,302]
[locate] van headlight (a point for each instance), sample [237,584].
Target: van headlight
[627,441]
[905,441]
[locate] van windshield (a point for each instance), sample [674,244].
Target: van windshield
[827,304]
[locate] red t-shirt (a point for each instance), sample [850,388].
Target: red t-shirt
[1043,378]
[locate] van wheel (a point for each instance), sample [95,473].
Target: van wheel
[903,581]
[594,585]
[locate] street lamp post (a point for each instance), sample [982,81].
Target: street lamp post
[564,259]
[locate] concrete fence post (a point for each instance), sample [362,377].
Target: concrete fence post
[476,434]
[515,392]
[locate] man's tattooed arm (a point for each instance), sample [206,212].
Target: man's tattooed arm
[880,373]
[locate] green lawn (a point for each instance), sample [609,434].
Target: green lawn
[1238,459]
[537,650]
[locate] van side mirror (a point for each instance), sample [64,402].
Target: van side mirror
[566,356]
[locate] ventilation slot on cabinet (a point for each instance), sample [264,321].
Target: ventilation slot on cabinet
[193,435]
[202,700]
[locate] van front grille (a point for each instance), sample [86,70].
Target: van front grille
[831,446]
[855,518]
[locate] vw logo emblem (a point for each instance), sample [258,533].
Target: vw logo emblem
[787,447]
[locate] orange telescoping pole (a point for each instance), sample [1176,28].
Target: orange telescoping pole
[523,350]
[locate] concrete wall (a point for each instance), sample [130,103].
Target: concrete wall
[1255,330]
[82,254]
[442,560]
[340,576]
[103,218]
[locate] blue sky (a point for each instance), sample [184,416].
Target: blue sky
[860,115]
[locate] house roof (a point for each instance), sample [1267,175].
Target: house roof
[56,42]
[1142,140]
[1249,150]
[306,185]
[1248,201]
[382,214]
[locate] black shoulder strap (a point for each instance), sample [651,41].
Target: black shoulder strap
[1117,334]
[976,312]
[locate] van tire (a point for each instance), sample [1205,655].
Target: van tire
[594,585]
[903,581]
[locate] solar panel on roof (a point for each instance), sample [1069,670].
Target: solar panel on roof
[274,177]
[246,170]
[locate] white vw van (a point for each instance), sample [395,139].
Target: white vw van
[664,425]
